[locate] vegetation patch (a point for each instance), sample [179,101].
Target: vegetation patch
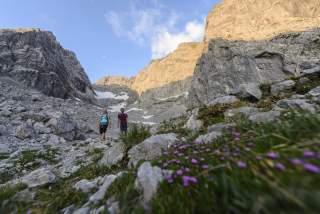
[124,191]
[215,114]
[4,156]
[258,168]
[6,194]
[135,135]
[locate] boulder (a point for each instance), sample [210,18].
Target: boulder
[65,126]
[38,178]
[40,128]
[148,179]
[151,148]
[193,123]
[224,100]
[264,117]
[249,91]
[315,92]
[82,210]
[99,195]
[281,87]
[245,111]
[299,104]
[219,127]
[113,155]
[86,186]
[25,130]
[208,138]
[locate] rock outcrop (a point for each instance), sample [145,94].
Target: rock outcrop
[115,80]
[260,20]
[35,58]
[228,64]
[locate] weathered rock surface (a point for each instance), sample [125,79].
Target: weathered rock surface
[245,111]
[148,179]
[208,138]
[151,148]
[299,104]
[37,60]
[249,91]
[113,155]
[39,177]
[264,117]
[280,87]
[227,64]
[193,122]
[237,19]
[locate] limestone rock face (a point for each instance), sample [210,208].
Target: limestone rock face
[228,64]
[259,20]
[35,59]
[115,80]
[176,66]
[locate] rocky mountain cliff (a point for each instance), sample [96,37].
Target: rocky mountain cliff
[258,20]
[177,66]
[35,58]
[115,80]
[231,66]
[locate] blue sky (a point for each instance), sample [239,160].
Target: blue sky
[112,37]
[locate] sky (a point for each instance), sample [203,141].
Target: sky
[112,37]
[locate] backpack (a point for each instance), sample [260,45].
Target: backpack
[104,120]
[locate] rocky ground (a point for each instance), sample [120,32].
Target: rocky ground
[51,161]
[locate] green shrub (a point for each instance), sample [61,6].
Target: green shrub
[215,114]
[135,135]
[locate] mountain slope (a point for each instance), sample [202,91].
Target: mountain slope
[258,20]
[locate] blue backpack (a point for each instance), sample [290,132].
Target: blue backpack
[104,120]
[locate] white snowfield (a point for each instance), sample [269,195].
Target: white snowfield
[185,94]
[134,109]
[110,95]
[147,117]
[116,108]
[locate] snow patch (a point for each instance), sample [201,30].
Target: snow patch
[110,95]
[116,108]
[147,117]
[135,109]
[185,94]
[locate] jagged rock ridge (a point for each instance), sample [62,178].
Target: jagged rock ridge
[35,58]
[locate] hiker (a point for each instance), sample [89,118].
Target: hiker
[104,122]
[123,121]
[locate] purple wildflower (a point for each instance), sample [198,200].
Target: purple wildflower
[279,166]
[185,180]
[205,166]
[194,180]
[272,155]
[169,179]
[309,154]
[296,161]
[241,164]
[186,169]
[311,168]
[194,161]
[179,172]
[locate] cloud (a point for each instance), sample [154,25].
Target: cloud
[154,26]
[165,42]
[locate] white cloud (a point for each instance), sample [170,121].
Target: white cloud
[165,42]
[154,26]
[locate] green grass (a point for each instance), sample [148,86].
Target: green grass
[302,88]
[135,135]
[4,156]
[124,191]
[30,159]
[6,202]
[215,114]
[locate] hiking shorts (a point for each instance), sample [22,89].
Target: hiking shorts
[103,129]
[123,127]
